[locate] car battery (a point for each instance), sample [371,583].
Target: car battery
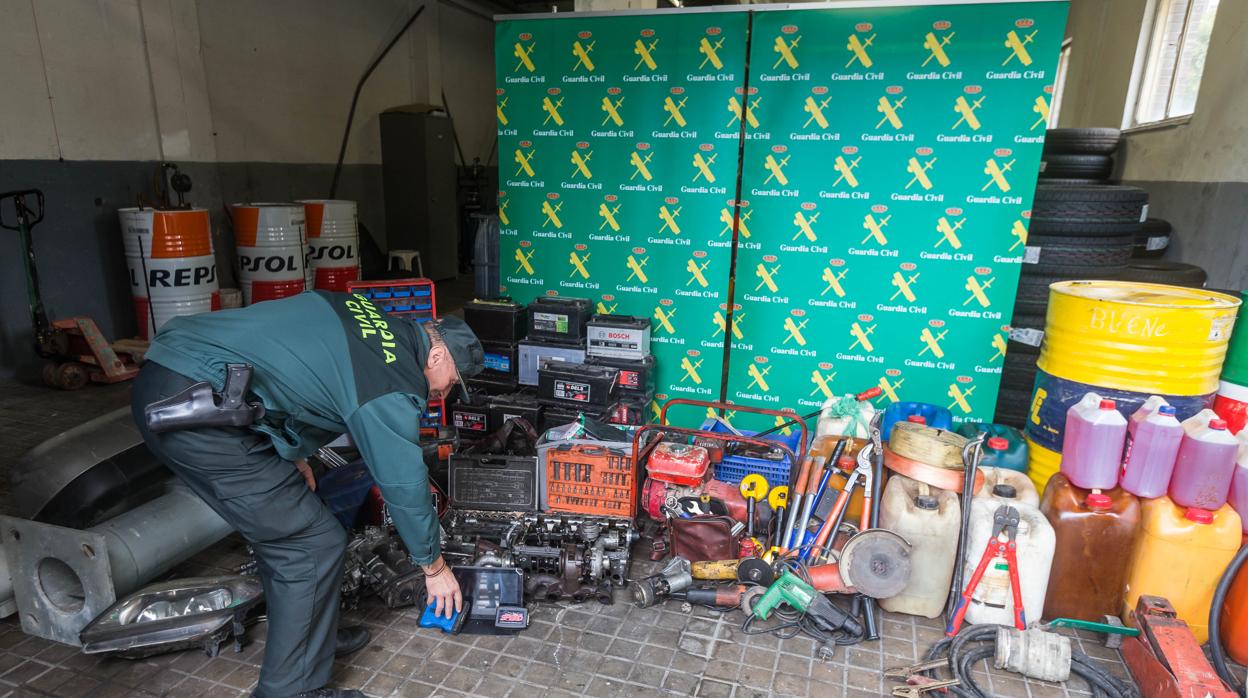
[471,420]
[619,336]
[559,318]
[494,482]
[559,415]
[497,319]
[636,375]
[532,353]
[502,361]
[492,386]
[577,385]
[511,405]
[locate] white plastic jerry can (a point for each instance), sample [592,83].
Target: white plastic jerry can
[1024,488]
[993,600]
[928,518]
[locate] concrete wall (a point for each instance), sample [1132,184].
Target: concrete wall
[249,96]
[1196,172]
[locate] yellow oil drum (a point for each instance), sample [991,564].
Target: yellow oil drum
[1137,337]
[1042,464]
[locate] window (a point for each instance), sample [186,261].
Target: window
[1174,46]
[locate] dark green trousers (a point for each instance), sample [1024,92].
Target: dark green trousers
[298,543]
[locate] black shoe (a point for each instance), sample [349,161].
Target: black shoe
[351,640]
[331,693]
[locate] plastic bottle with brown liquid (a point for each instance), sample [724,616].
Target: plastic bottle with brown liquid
[1096,532]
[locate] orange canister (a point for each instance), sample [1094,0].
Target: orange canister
[1180,555]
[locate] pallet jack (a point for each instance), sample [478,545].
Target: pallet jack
[76,350]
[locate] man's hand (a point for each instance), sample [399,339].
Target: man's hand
[306,471]
[442,588]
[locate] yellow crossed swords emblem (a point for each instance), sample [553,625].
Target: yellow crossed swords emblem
[967,110]
[847,171]
[578,264]
[582,55]
[823,383]
[612,108]
[552,214]
[691,370]
[608,216]
[498,109]
[890,390]
[639,166]
[834,282]
[734,107]
[665,318]
[502,213]
[932,342]
[644,52]
[766,277]
[875,229]
[996,174]
[721,323]
[725,216]
[776,169]
[861,336]
[1041,107]
[604,310]
[937,48]
[581,163]
[552,110]
[696,272]
[525,162]
[904,285]
[673,111]
[919,172]
[805,226]
[998,343]
[706,48]
[636,265]
[977,291]
[726,419]
[782,423]
[760,377]
[525,261]
[525,56]
[889,109]
[1019,231]
[949,232]
[669,219]
[1018,47]
[785,49]
[703,166]
[795,331]
[815,109]
[859,49]
[960,397]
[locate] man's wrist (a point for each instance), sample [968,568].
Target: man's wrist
[435,568]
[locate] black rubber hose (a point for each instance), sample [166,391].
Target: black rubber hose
[1215,623]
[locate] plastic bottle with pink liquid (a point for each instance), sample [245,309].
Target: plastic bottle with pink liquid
[1153,438]
[1206,463]
[1239,484]
[1092,445]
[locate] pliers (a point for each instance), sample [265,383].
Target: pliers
[1004,523]
[863,475]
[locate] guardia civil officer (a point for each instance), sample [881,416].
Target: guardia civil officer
[320,364]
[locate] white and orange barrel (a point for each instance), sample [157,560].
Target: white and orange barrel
[270,243]
[333,243]
[172,268]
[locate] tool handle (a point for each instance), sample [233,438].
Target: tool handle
[834,519]
[955,623]
[27,216]
[1011,560]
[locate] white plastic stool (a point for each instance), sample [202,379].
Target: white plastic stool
[404,259]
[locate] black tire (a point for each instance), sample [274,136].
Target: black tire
[1095,167]
[1059,251]
[1101,141]
[1155,233]
[1018,371]
[1088,210]
[1023,321]
[1012,406]
[1033,289]
[1071,181]
[1159,271]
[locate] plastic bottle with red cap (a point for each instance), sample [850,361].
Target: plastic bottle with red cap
[1153,438]
[1005,446]
[1205,466]
[1093,443]
[1096,531]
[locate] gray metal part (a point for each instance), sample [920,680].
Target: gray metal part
[876,563]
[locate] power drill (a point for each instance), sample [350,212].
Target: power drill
[793,591]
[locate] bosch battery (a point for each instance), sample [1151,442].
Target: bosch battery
[502,360]
[561,383]
[533,352]
[636,375]
[559,318]
[497,319]
[619,336]
[512,405]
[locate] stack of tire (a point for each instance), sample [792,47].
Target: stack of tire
[1082,227]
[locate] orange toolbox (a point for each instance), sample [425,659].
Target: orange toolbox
[591,479]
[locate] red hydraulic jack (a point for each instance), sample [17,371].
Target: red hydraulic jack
[1165,660]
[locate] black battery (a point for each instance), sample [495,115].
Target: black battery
[522,404]
[559,318]
[497,319]
[621,336]
[577,385]
[501,361]
[559,415]
[492,386]
[636,376]
[471,420]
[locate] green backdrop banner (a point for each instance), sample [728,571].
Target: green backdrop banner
[887,174]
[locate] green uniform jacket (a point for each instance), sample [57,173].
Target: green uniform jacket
[325,364]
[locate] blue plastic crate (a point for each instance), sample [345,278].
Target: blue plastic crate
[733,469]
